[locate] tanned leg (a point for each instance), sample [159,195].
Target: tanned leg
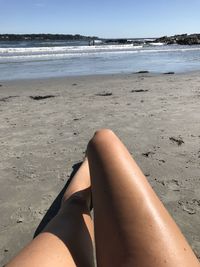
[132,227]
[67,240]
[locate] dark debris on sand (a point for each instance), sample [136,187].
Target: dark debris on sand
[38,97]
[143,71]
[147,154]
[104,94]
[139,90]
[170,72]
[178,140]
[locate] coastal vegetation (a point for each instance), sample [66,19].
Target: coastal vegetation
[44,37]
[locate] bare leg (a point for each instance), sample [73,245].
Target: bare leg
[132,227]
[67,240]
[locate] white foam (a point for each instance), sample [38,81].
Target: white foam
[60,55]
[33,50]
[49,53]
[157,44]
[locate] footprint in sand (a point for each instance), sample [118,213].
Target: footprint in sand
[190,206]
[173,185]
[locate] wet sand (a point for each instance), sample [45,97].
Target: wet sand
[46,124]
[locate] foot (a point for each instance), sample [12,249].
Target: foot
[79,189]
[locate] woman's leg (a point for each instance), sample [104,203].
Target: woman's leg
[67,240]
[132,227]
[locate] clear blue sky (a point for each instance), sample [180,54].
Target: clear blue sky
[103,18]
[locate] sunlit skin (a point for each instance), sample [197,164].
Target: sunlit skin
[131,225]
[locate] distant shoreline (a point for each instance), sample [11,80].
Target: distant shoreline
[44,37]
[180,39]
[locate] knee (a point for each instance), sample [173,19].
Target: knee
[101,136]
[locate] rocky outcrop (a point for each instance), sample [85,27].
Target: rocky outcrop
[182,39]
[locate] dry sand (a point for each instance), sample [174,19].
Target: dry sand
[42,139]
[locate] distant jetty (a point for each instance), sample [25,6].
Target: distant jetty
[45,37]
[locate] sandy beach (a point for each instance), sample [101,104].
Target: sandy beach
[46,125]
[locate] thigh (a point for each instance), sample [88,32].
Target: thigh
[132,227]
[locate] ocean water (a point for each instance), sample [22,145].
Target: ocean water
[34,59]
